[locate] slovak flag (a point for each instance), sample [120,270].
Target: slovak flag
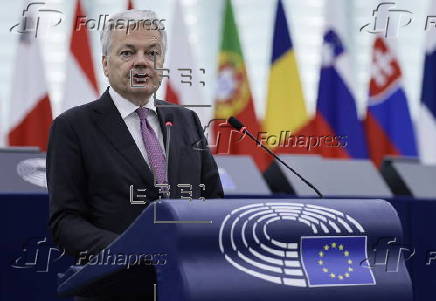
[427,114]
[336,114]
[388,125]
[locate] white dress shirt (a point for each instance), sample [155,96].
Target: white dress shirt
[131,118]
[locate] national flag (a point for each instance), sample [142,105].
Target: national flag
[336,260]
[286,116]
[336,114]
[185,90]
[81,83]
[388,125]
[130,4]
[427,114]
[234,97]
[30,108]
[2,129]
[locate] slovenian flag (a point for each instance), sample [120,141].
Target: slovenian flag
[427,114]
[388,124]
[336,114]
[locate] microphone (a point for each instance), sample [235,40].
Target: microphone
[169,122]
[235,123]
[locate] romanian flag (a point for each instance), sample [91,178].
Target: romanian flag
[234,98]
[388,124]
[336,115]
[286,115]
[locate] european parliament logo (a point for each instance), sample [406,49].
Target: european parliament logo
[331,255]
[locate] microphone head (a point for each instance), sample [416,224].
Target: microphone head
[235,123]
[169,121]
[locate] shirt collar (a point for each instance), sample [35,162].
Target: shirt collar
[125,106]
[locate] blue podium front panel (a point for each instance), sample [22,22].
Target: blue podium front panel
[262,250]
[29,260]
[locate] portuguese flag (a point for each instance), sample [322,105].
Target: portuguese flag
[233,98]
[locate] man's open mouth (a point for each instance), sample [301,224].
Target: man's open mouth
[138,78]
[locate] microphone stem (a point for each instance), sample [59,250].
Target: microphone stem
[283,162]
[167,154]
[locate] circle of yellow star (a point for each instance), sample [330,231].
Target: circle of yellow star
[325,249]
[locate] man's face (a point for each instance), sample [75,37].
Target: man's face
[129,65]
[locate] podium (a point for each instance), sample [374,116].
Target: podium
[23,170]
[229,169]
[336,177]
[408,177]
[260,249]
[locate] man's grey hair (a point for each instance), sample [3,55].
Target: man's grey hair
[126,19]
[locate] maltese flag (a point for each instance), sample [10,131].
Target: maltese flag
[81,84]
[185,78]
[427,114]
[30,109]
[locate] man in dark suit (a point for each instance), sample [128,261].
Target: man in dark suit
[101,151]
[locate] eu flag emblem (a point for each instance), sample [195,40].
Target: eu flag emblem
[335,260]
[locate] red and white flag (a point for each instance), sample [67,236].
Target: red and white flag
[185,78]
[80,84]
[129,4]
[30,109]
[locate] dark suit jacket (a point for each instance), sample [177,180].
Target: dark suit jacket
[92,160]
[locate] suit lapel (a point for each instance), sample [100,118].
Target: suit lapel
[108,119]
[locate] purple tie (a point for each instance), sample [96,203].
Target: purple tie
[155,154]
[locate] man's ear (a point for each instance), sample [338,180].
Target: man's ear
[104,62]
